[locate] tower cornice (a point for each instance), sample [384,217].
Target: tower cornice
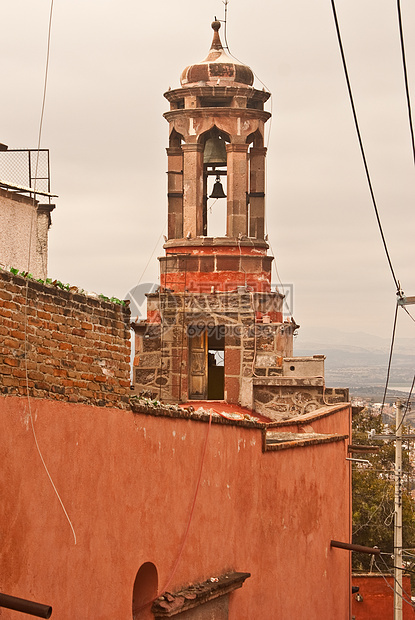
[217,92]
[227,113]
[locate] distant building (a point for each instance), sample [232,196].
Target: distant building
[25,220]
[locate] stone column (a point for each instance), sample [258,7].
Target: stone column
[175,192]
[257,192]
[237,187]
[192,190]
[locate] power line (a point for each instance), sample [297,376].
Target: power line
[407,403]
[372,194]
[45,81]
[390,358]
[407,600]
[225,21]
[408,99]
[408,313]
[378,507]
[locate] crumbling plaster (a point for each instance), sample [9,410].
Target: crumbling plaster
[23,234]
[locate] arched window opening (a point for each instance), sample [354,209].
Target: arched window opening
[145,591]
[214,182]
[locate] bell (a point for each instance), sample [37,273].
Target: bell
[214,153]
[217,191]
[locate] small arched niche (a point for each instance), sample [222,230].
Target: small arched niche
[175,139]
[256,139]
[145,591]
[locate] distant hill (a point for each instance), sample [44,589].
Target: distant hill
[359,360]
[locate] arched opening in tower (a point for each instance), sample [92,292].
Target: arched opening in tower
[214,182]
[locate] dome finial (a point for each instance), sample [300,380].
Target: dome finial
[218,68]
[216,42]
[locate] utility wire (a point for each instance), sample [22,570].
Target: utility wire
[408,313]
[152,254]
[390,358]
[28,269]
[407,404]
[405,73]
[381,504]
[225,21]
[407,600]
[372,194]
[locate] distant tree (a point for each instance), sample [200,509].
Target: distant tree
[373,493]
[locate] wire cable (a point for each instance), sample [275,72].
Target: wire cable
[390,358]
[192,509]
[405,73]
[28,269]
[274,264]
[408,313]
[225,21]
[378,507]
[189,521]
[362,150]
[392,587]
[407,600]
[407,404]
[152,254]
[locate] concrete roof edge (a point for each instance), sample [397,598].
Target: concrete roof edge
[319,440]
[176,412]
[306,418]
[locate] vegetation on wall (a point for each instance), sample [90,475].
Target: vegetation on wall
[66,287]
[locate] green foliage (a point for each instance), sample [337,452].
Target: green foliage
[113,300]
[373,493]
[64,287]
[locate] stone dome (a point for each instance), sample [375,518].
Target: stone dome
[218,68]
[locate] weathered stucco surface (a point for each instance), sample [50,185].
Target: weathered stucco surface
[376,592]
[23,234]
[128,482]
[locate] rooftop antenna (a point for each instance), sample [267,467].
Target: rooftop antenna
[225,21]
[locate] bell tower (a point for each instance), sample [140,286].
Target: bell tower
[216,136]
[215,328]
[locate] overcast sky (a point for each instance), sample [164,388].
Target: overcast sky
[110,63]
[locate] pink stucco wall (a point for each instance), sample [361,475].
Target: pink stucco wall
[21,229]
[128,482]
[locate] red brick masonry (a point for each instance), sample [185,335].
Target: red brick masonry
[77,347]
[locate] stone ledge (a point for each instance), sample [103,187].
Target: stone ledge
[169,605]
[157,408]
[289,381]
[216,91]
[308,418]
[196,242]
[284,441]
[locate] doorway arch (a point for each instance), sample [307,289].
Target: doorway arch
[144,591]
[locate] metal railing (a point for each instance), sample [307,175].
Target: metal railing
[26,168]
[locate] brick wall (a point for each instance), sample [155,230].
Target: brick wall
[75,348]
